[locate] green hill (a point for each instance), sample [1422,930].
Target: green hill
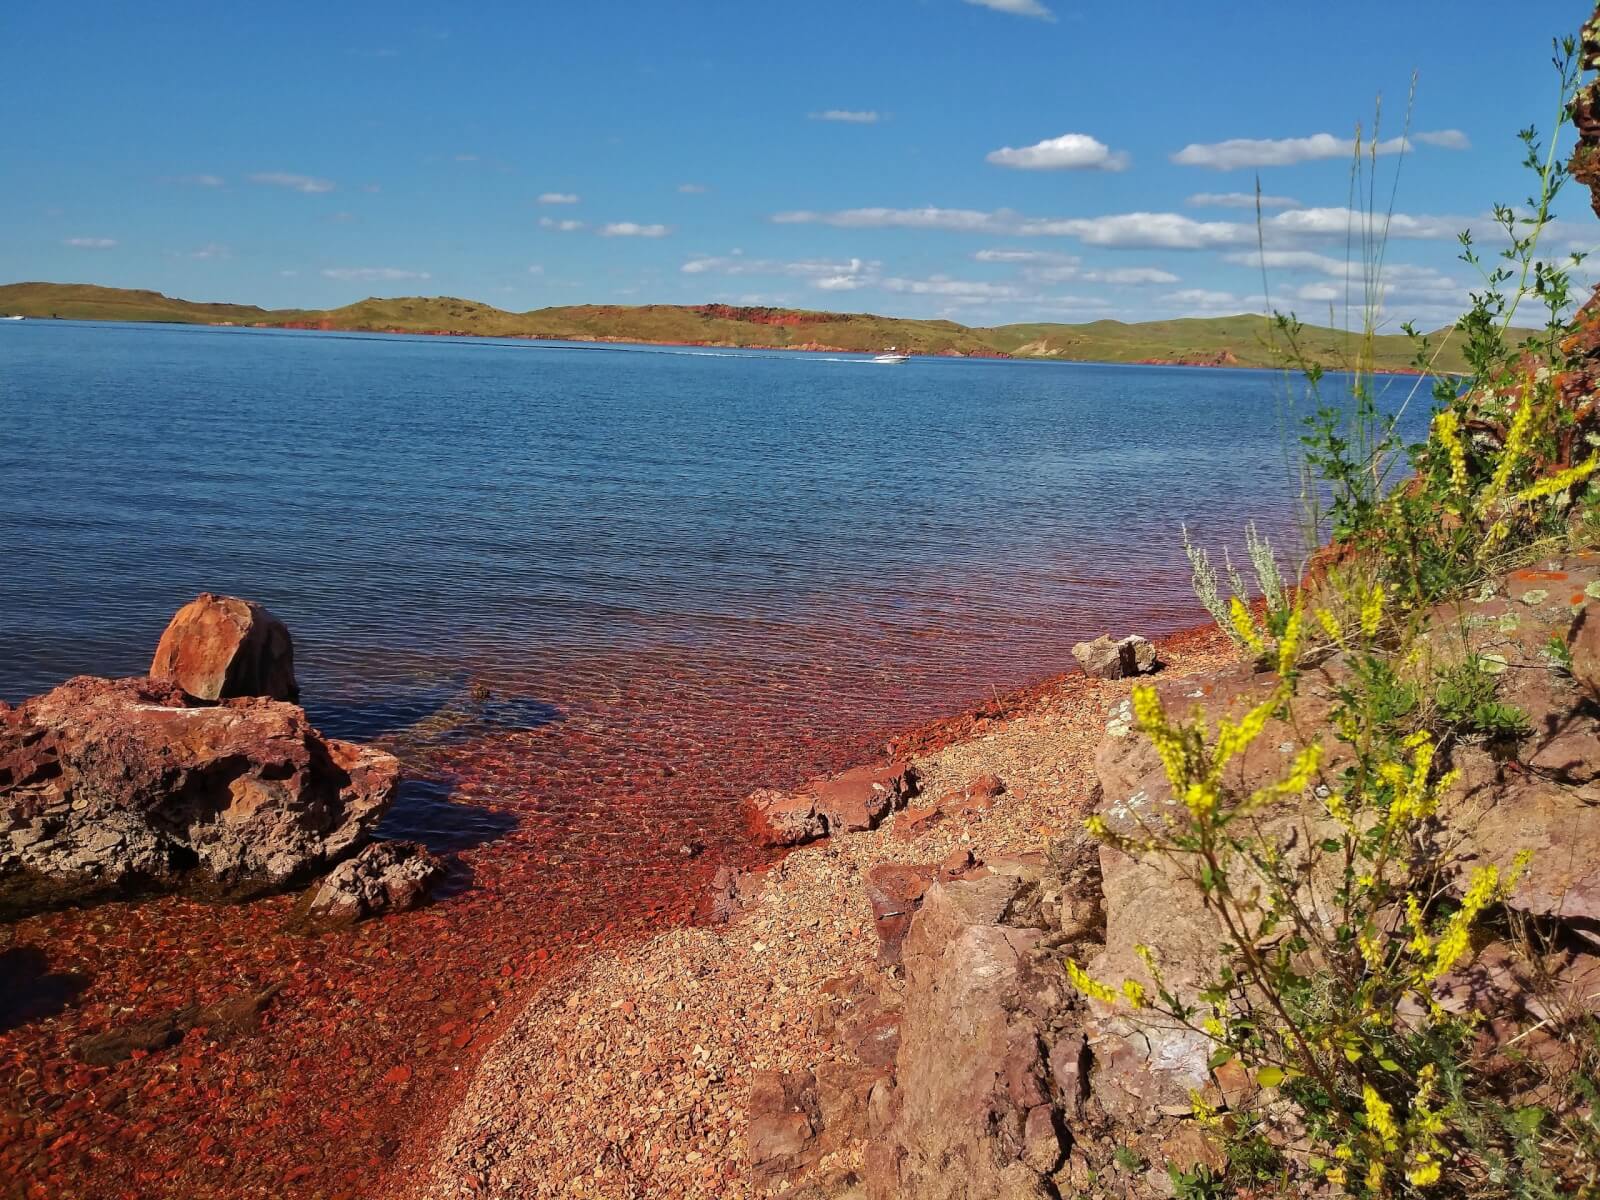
[1214,341]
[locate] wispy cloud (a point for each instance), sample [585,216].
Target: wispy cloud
[567,226]
[693,189]
[308,184]
[558,197]
[466,158]
[633,229]
[211,250]
[1282,152]
[373,274]
[851,116]
[1069,152]
[824,273]
[90,243]
[205,181]
[1019,8]
[1046,266]
[1446,139]
[1172,231]
[1240,200]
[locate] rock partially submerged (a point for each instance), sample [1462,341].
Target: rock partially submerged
[110,784]
[386,877]
[218,647]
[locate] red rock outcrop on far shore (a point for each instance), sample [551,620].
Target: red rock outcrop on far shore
[216,647]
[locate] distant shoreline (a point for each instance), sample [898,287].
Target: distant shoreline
[804,348]
[1243,340]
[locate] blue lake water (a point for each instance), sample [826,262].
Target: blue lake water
[534,518]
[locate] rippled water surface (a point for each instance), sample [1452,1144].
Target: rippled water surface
[592,597]
[427,512]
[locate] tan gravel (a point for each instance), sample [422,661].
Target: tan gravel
[628,1078]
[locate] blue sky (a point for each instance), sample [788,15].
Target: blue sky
[983,160]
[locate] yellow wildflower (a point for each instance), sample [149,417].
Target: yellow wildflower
[1448,426]
[1374,1175]
[1134,991]
[1095,826]
[1371,954]
[1560,481]
[1511,452]
[1244,625]
[1299,778]
[1235,739]
[1289,644]
[1167,741]
[1201,799]
[1380,1117]
[1330,625]
[1456,938]
[1372,611]
[1424,1171]
[1091,988]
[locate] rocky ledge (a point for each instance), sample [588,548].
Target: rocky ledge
[108,785]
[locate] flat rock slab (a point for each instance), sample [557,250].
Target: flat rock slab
[851,802]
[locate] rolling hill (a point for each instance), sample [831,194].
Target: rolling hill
[1211,341]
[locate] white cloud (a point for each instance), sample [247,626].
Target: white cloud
[1277,152]
[693,189]
[850,116]
[466,158]
[1069,152]
[299,183]
[633,229]
[1170,231]
[536,269]
[567,226]
[958,289]
[1207,300]
[1020,8]
[90,243]
[828,275]
[205,181]
[1240,200]
[1036,257]
[1446,139]
[558,198]
[211,250]
[373,274]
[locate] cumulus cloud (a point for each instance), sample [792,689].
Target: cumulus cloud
[633,229]
[1276,152]
[373,274]
[1019,8]
[850,116]
[308,184]
[1240,200]
[567,226]
[90,243]
[826,274]
[558,198]
[1069,152]
[1446,139]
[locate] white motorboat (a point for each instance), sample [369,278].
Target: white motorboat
[12,318]
[891,355]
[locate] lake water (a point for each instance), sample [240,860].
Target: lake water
[592,597]
[428,512]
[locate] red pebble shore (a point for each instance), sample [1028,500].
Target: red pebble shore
[376,1028]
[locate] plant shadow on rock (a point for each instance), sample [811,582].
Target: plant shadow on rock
[30,990]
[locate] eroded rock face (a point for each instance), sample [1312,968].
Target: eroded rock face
[218,647]
[105,783]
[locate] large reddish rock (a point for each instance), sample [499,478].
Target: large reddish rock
[895,891]
[217,647]
[850,802]
[131,781]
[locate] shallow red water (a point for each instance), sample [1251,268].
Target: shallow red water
[567,836]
